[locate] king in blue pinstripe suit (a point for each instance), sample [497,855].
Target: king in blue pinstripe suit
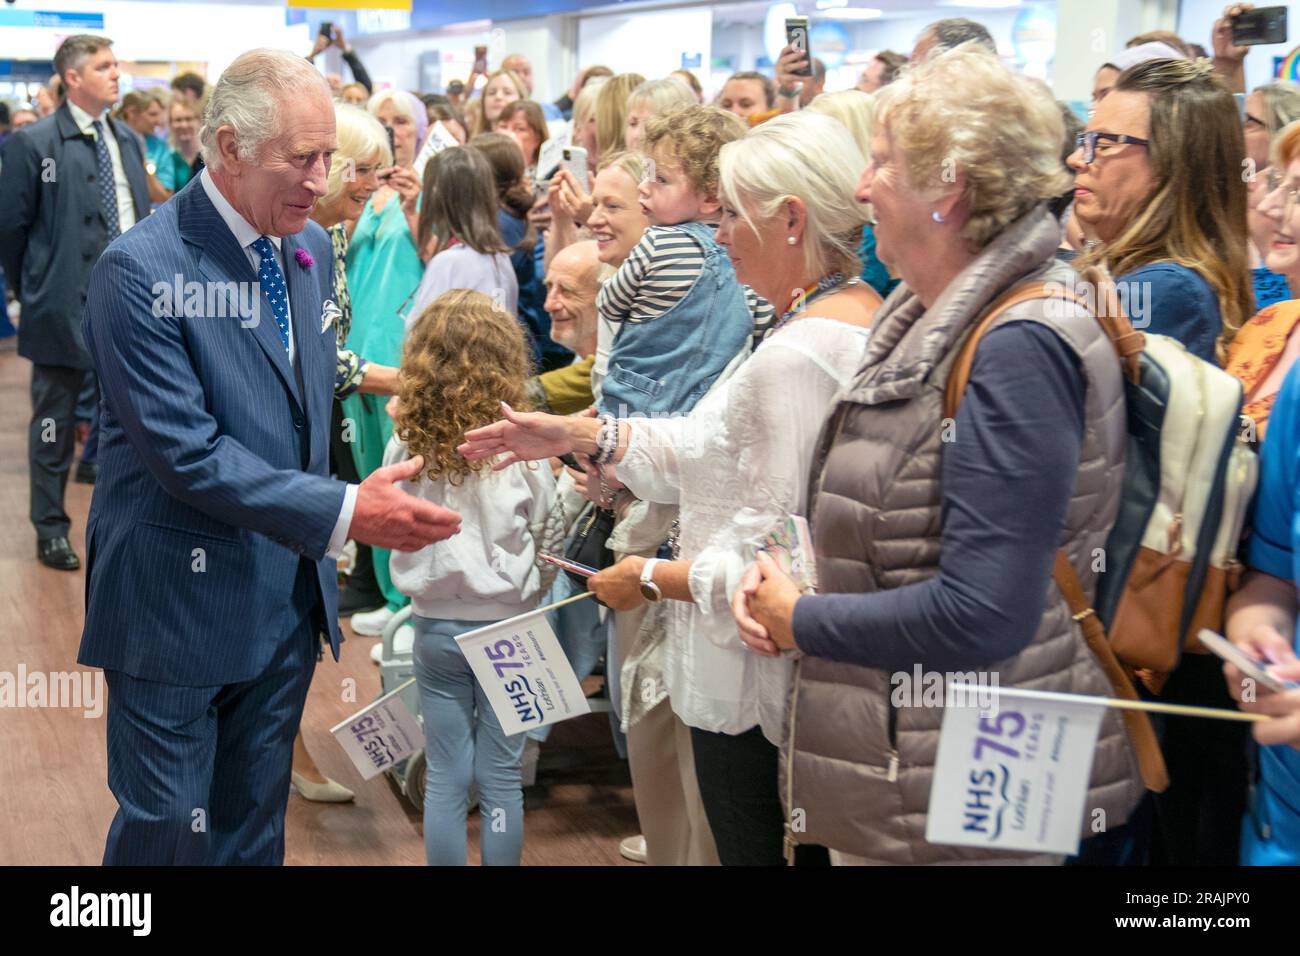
[211,578]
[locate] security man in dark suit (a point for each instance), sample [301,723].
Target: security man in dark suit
[69,185]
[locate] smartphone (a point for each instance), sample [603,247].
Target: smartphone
[1257,27]
[480,60]
[568,565]
[574,159]
[796,35]
[1234,655]
[569,460]
[392,143]
[327,29]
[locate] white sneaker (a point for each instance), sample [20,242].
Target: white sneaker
[633,848]
[372,623]
[403,641]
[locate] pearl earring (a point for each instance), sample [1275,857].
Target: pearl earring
[791,240]
[936,217]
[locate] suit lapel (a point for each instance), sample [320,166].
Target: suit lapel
[304,311]
[222,260]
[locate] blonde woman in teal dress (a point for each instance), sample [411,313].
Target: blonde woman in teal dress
[354,178]
[383,270]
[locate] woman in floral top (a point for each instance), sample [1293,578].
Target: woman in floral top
[354,177]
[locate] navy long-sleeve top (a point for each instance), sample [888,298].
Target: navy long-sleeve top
[1007,478]
[1173,300]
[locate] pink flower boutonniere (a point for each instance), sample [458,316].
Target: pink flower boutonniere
[304,258]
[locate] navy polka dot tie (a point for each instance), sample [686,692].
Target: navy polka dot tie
[107,184]
[272,280]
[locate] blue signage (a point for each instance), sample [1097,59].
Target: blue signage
[71,22]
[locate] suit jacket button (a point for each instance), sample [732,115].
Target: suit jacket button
[297,421]
[89,219]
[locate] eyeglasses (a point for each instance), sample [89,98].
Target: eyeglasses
[1088,143]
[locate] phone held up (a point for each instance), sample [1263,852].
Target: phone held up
[796,35]
[1267,25]
[574,159]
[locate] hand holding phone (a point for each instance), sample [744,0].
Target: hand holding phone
[480,60]
[574,161]
[1267,25]
[1249,666]
[796,35]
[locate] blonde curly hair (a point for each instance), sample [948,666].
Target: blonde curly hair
[692,137]
[964,113]
[463,357]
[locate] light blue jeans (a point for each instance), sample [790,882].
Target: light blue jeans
[464,744]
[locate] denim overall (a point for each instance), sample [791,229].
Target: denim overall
[664,366]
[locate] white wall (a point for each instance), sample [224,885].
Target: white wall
[394,61]
[650,43]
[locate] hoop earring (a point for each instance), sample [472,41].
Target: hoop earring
[936,217]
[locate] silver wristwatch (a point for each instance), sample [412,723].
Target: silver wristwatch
[649,590]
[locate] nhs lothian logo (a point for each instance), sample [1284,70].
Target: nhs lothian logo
[103,909]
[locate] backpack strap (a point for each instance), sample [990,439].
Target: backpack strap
[959,375]
[1128,345]
[1128,342]
[1141,734]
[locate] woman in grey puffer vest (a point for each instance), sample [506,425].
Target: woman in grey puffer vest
[935,539]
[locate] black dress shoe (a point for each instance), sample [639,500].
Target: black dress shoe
[356,601]
[86,473]
[57,553]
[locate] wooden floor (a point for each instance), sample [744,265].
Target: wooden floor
[55,806]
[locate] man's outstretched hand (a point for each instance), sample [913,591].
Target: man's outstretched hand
[387,517]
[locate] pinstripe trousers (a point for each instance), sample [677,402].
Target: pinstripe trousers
[201,774]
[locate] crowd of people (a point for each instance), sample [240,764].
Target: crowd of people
[705,313]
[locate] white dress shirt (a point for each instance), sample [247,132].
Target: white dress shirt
[246,234]
[125,202]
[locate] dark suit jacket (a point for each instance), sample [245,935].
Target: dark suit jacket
[213,452]
[52,229]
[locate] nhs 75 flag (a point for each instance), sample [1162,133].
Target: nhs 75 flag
[1016,777]
[520,666]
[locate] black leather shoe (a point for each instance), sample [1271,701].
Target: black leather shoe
[86,473]
[355,601]
[57,553]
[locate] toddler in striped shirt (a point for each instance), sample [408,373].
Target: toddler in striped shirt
[681,313]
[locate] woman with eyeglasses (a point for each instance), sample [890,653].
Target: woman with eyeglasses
[1159,190]
[1267,346]
[1269,109]
[1161,201]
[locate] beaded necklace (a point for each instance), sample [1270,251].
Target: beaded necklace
[828,283]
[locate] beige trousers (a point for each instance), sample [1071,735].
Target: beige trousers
[667,796]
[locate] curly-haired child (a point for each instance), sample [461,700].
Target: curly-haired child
[462,358]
